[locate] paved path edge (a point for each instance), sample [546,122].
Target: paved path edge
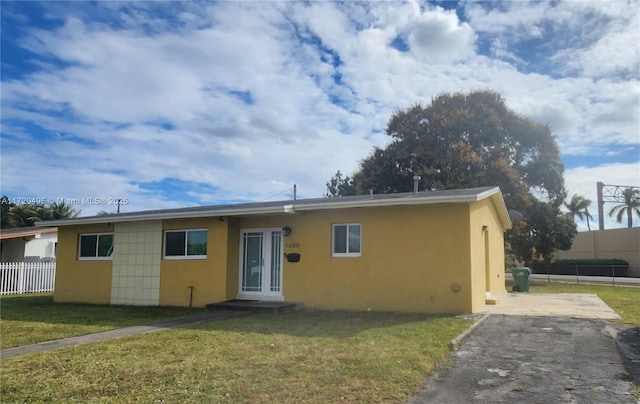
[453,345]
[117,333]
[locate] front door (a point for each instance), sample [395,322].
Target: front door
[260,264]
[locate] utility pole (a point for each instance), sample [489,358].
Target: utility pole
[600,185]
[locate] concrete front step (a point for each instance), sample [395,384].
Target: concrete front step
[491,300]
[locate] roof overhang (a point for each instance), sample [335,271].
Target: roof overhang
[161,216]
[291,207]
[25,232]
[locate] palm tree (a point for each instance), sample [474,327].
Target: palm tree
[62,211]
[579,206]
[630,206]
[25,214]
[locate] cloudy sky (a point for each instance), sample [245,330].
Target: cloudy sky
[181,104]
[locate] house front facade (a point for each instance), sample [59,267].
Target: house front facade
[428,252]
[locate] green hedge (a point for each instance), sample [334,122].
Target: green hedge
[612,261]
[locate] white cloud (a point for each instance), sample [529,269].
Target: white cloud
[517,19]
[438,37]
[257,96]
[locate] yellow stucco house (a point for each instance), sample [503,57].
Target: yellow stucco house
[428,252]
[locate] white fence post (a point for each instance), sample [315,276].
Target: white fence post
[21,278]
[27,277]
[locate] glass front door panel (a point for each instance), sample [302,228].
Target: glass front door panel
[276,260]
[252,262]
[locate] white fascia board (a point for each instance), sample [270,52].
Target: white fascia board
[160,216]
[422,200]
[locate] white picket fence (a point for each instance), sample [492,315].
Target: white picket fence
[27,277]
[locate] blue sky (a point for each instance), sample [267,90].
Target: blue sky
[180,104]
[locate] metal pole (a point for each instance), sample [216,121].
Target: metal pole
[548,277]
[613,275]
[600,186]
[577,274]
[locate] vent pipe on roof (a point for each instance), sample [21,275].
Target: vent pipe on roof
[416,180]
[295,192]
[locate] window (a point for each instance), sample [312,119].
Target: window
[346,240]
[185,244]
[95,246]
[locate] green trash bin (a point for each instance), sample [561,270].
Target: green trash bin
[521,278]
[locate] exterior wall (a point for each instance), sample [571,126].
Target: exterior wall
[41,248]
[614,243]
[81,281]
[13,250]
[423,258]
[137,247]
[207,276]
[487,252]
[414,259]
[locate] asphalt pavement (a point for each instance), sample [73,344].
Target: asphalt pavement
[536,359]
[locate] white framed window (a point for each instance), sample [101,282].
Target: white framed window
[95,246]
[185,244]
[345,241]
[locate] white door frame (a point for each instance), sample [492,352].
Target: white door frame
[272,258]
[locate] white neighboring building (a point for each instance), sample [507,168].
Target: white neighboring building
[28,244]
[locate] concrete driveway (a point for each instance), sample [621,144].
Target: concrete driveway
[580,305]
[532,359]
[540,348]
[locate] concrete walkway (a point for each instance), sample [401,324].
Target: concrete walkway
[576,305]
[117,333]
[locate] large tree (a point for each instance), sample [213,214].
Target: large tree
[339,186]
[471,140]
[630,206]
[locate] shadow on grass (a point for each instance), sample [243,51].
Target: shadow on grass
[309,323]
[42,309]
[336,324]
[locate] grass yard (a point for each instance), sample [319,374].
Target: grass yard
[624,300]
[308,356]
[28,319]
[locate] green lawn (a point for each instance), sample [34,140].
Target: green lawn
[307,356]
[27,319]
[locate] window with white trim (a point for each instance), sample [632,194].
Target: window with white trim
[346,240]
[96,246]
[185,244]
